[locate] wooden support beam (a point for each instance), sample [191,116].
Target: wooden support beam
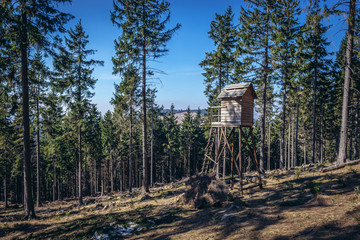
[240,161]
[255,157]
[232,159]
[209,158]
[232,154]
[219,136]
[223,148]
[253,153]
[209,145]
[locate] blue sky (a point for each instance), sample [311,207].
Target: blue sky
[182,84]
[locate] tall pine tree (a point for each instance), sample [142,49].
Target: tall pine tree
[219,64]
[286,32]
[78,82]
[143,38]
[34,20]
[255,44]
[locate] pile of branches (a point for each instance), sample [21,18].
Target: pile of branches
[205,191]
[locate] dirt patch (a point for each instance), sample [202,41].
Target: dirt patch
[205,191]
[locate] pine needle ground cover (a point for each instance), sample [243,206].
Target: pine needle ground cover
[298,204]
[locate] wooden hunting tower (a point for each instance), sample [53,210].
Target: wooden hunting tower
[237,106]
[236,111]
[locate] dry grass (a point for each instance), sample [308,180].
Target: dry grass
[299,204]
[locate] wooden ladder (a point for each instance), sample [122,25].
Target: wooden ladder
[208,151]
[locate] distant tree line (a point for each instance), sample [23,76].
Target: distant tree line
[55,144]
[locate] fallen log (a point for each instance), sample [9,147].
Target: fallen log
[338,166]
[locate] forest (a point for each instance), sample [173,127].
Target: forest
[55,144]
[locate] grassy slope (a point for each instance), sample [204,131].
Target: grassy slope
[300,204]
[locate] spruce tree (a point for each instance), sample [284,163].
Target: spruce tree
[39,73]
[154,121]
[78,82]
[143,38]
[6,136]
[52,134]
[255,44]
[219,63]
[286,31]
[126,98]
[316,65]
[199,141]
[187,138]
[34,20]
[171,131]
[93,147]
[346,89]
[109,142]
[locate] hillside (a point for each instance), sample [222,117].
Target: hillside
[299,204]
[180,116]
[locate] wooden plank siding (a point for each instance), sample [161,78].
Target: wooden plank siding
[237,106]
[247,116]
[232,111]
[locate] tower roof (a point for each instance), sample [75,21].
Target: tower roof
[236,90]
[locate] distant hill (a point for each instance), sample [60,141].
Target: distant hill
[180,114]
[182,110]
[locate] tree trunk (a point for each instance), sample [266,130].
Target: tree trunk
[79,99]
[29,211]
[5,192]
[152,154]
[75,179]
[218,134]
[80,166]
[321,140]
[130,147]
[5,179]
[217,152]
[269,148]
[170,166]
[248,169]
[121,187]
[92,179]
[96,178]
[59,186]
[348,68]
[224,159]
[37,149]
[184,162]
[54,181]
[136,173]
[289,144]
[292,143]
[163,172]
[111,173]
[145,185]
[356,130]
[338,166]
[285,153]
[189,160]
[264,96]
[282,139]
[102,180]
[296,136]
[312,158]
